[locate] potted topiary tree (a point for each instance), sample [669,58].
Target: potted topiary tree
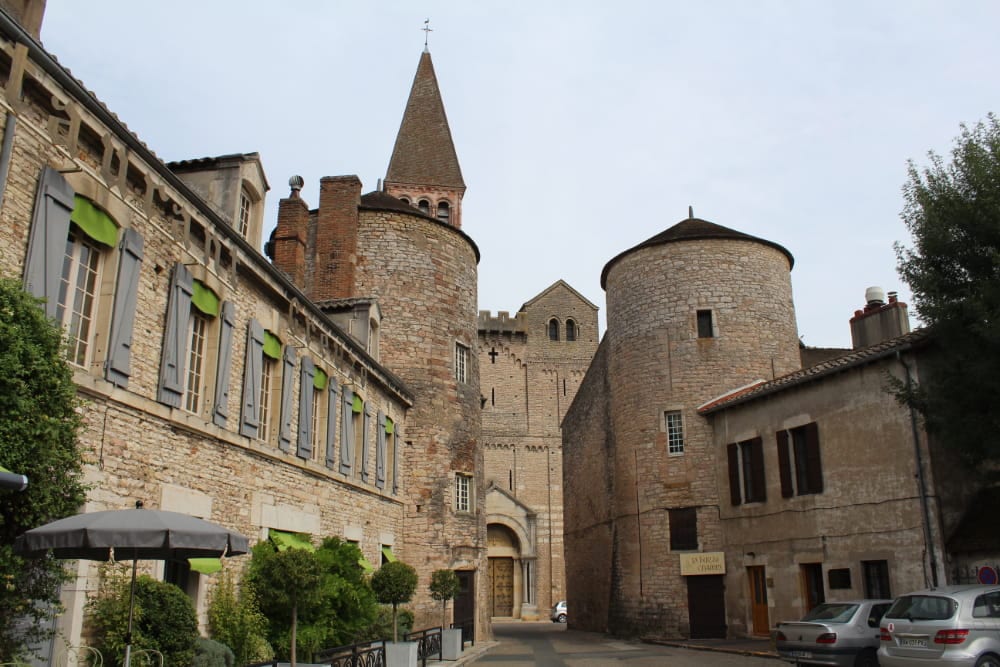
[394,583]
[444,586]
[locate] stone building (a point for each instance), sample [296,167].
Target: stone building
[732,479]
[531,365]
[331,392]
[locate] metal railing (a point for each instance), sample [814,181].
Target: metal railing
[362,654]
[428,643]
[468,629]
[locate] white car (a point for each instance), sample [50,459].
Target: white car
[844,634]
[558,614]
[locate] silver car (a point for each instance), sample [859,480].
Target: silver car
[948,625]
[845,634]
[558,614]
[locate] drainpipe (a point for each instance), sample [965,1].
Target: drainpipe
[921,481]
[5,152]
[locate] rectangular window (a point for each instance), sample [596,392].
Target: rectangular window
[245,208]
[705,324]
[799,462]
[746,472]
[461,362]
[675,431]
[839,579]
[876,574]
[196,362]
[317,421]
[683,529]
[78,296]
[463,493]
[266,389]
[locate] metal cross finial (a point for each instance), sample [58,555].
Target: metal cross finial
[427,31]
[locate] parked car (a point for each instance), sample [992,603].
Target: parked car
[948,625]
[558,614]
[845,634]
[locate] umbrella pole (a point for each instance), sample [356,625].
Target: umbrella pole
[131,608]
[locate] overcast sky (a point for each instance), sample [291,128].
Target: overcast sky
[582,128]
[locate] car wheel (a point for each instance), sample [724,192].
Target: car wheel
[989,660]
[866,659]
[561,618]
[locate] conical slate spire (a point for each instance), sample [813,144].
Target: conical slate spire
[424,154]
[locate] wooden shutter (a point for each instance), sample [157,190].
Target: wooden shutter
[365,431]
[118,366]
[380,451]
[347,432]
[175,337]
[332,407]
[814,466]
[223,369]
[253,369]
[47,241]
[307,372]
[757,470]
[397,437]
[784,467]
[733,452]
[287,381]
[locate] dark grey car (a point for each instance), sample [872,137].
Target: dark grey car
[844,634]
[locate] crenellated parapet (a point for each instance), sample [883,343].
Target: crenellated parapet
[502,322]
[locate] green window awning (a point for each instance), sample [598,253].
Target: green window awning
[390,428]
[205,565]
[365,565]
[94,222]
[319,379]
[387,554]
[2,469]
[204,299]
[283,540]
[358,404]
[272,345]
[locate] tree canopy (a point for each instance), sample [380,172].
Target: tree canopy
[394,583]
[952,210]
[38,438]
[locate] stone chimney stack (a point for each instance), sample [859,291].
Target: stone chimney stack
[880,320]
[289,248]
[28,13]
[336,238]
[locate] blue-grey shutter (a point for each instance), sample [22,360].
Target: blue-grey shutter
[175,338]
[380,451]
[397,437]
[117,368]
[47,242]
[253,370]
[347,432]
[227,317]
[287,380]
[365,431]
[331,423]
[306,373]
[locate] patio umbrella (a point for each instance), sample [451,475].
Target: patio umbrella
[134,535]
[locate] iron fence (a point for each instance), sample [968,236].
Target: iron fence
[428,643]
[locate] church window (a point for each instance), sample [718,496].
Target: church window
[683,529]
[405,200]
[461,362]
[705,329]
[443,211]
[424,206]
[746,471]
[553,329]
[799,464]
[674,426]
[570,330]
[463,493]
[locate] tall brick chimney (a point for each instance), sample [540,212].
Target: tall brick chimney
[336,238]
[880,320]
[289,249]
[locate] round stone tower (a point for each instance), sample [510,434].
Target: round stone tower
[693,312]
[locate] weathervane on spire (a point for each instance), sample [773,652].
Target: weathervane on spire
[427,31]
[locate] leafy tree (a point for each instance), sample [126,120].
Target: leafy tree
[349,605]
[234,619]
[952,210]
[38,438]
[394,583]
[444,586]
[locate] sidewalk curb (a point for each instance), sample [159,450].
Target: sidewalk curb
[717,649]
[474,653]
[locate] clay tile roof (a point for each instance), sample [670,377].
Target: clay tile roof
[839,364]
[424,153]
[693,229]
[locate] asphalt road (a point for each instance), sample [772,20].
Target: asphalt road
[552,645]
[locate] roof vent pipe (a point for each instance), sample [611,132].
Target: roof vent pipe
[875,296]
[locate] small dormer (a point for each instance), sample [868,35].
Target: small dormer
[234,186]
[361,318]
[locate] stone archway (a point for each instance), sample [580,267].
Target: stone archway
[504,551]
[510,538]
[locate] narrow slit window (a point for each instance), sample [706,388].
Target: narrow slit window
[705,329]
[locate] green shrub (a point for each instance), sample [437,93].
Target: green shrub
[210,653]
[235,620]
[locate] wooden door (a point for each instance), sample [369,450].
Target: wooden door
[758,600]
[465,604]
[707,606]
[812,584]
[502,586]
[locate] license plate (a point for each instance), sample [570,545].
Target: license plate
[800,654]
[912,643]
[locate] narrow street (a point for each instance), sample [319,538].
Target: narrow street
[553,645]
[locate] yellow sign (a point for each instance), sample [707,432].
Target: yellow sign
[712,562]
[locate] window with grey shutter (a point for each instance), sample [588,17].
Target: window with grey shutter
[397,437]
[223,368]
[47,241]
[175,338]
[347,432]
[117,368]
[733,453]
[287,380]
[784,465]
[365,431]
[380,451]
[307,371]
[252,370]
[333,394]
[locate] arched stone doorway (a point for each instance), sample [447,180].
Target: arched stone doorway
[510,540]
[504,551]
